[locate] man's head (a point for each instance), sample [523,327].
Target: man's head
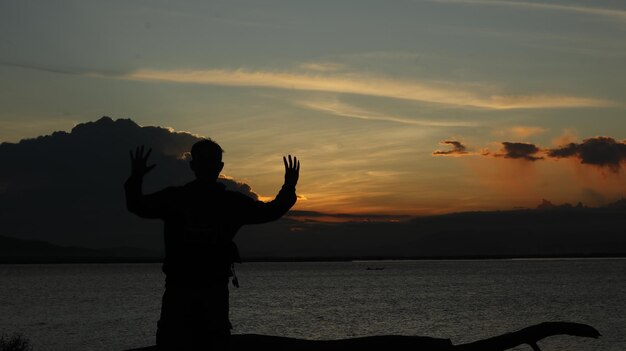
[206,159]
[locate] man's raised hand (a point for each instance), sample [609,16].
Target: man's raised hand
[138,162]
[292,171]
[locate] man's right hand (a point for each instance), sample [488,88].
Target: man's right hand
[139,161]
[292,171]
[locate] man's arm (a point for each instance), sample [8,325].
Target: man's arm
[261,212]
[146,206]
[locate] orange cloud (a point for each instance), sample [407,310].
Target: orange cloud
[568,136]
[520,132]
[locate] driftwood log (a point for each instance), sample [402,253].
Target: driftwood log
[530,335]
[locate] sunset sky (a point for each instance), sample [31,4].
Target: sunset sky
[363,92]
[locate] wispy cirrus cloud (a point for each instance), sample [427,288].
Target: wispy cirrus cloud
[598,11]
[364,84]
[322,66]
[455,94]
[345,110]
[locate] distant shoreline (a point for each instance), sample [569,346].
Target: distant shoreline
[100,260]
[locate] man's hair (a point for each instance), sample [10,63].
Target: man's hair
[207,149]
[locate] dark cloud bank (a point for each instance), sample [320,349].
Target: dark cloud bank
[601,151]
[66,189]
[519,151]
[598,151]
[457,149]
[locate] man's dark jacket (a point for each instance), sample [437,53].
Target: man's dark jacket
[200,222]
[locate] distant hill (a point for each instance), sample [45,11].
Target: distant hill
[562,231]
[14,250]
[548,231]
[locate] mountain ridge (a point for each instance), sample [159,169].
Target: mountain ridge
[555,232]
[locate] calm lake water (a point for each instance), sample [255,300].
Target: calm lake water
[115,306]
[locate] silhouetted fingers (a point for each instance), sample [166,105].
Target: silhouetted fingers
[148,154]
[150,168]
[291,163]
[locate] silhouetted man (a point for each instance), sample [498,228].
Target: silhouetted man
[201,219]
